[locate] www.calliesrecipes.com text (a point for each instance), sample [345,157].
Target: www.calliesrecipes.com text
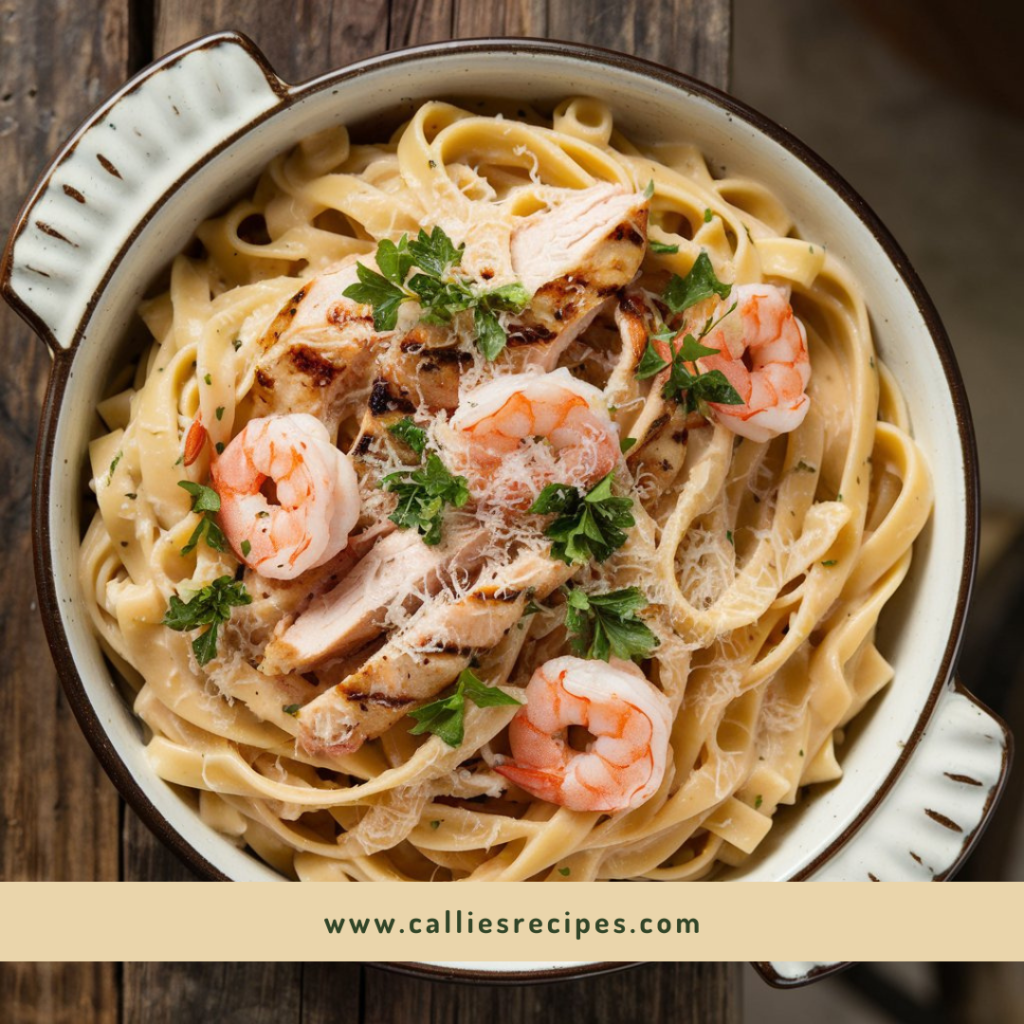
[463,923]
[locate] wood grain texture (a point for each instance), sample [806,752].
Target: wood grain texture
[52,993]
[301,39]
[58,811]
[260,993]
[685,993]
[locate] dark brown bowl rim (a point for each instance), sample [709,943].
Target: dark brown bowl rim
[49,605]
[433,972]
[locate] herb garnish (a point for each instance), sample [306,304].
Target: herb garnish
[211,606]
[662,247]
[698,388]
[440,291]
[407,431]
[206,501]
[113,465]
[699,284]
[587,525]
[446,717]
[291,709]
[565,872]
[707,215]
[422,495]
[603,625]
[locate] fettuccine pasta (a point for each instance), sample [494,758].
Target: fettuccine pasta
[750,579]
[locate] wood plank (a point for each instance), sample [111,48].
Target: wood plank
[472,18]
[59,813]
[680,992]
[59,819]
[225,993]
[58,993]
[332,993]
[689,35]
[301,40]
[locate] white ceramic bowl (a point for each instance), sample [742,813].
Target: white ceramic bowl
[923,764]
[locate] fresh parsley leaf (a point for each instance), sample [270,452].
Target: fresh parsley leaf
[586,526]
[407,431]
[210,607]
[509,298]
[649,190]
[692,350]
[605,625]
[246,548]
[692,388]
[446,717]
[236,343]
[113,465]
[441,300]
[377,291]
[565,872]
[662,247]
[206,501]
[490,335]
[395,261]
[759,799]
[435,824]
[829,563]
[441,294]
[626,443]
[220,412]
[435,253]
[651,364]
[699,284]
[422,495]
[205,645]
[291,709]
[707,215]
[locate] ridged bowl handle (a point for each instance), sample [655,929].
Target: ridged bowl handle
[118,167]
[936,811]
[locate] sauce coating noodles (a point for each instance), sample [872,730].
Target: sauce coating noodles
[764,564]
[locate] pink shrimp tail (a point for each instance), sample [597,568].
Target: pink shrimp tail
[542,784]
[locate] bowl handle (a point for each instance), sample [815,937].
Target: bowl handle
[118,166]
[936,811]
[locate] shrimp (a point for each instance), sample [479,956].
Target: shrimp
[629,718]
[317,495]
[497,417]
[763,353]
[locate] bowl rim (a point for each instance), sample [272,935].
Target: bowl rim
[88,718]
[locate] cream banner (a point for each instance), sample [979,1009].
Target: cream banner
[511,922]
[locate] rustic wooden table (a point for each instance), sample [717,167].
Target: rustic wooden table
[62,819]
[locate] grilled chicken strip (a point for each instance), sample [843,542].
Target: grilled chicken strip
[319,347]
[424,657]
[572,257]
[277,601]
[400,568]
